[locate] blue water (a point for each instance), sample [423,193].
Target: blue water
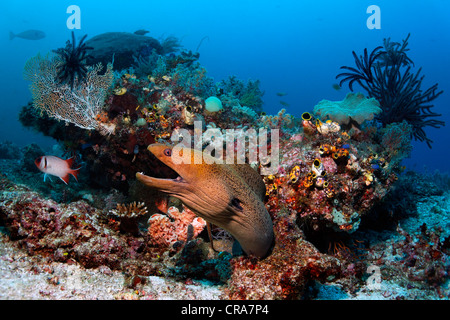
[291,46]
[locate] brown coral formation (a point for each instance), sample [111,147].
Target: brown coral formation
[165,230]
[331,181]
[285,273]
[129,216]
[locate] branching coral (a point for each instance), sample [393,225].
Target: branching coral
[144,65]
[170,44]
[396,138]
[279,121]
[248,94]
[386,74]
[192,79]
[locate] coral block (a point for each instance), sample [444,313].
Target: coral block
[165,230]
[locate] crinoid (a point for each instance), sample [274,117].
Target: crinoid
[363,71]
[73,68]
[387,75]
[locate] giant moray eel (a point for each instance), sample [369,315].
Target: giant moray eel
[229,196]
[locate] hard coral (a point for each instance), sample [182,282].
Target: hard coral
[165,230]
[67,233]
[420,259]
[129,216]
[286,272]
[331,181]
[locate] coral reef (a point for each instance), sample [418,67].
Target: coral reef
[170,44]
[339,173]
[129,216]
[9,151]
[286,272]
[331,181]
[237,92]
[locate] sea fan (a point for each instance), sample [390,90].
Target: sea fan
[73,68]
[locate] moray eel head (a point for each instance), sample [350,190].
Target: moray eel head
[166,179]
[229,196]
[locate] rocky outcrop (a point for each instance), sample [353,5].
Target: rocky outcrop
[122,46]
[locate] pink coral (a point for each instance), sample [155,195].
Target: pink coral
[329,165]
[165,232]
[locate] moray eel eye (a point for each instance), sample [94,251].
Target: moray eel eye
[168,152]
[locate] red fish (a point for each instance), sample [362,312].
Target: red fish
[57,167]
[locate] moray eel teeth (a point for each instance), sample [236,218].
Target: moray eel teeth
[229,196]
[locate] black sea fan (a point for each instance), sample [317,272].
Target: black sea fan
[73,68]
[387,75]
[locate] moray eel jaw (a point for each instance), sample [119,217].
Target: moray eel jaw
[225,195]
[166,185]
[186,182]
[169,182]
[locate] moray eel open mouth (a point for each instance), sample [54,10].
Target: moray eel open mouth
[226,195]
[159,170]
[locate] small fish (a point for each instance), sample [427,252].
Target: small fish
[28,35]
[284,103]
[141,32]
[58,167]
[336,87]
[281,94]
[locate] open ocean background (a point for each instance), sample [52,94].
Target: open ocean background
[291,46]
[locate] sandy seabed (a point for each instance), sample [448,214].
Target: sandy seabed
[34,278]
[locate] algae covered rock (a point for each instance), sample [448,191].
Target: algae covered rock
[355,106]
[122,46]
